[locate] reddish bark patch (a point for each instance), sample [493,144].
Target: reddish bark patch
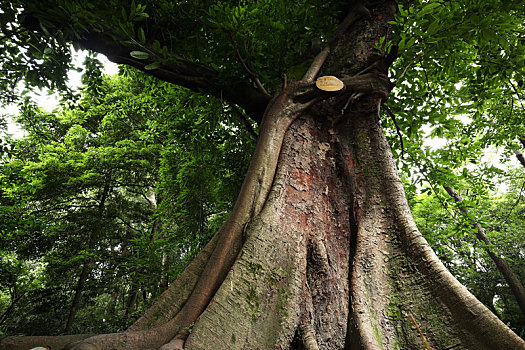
[303,179]
[303,220]
[351,162]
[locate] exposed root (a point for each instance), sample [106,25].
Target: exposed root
[309,339]
[175,344]
[55,342]
[82,346]
[306,327]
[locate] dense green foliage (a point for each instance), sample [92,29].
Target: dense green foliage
[135,175]
[129,183]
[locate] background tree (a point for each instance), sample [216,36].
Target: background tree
[450,234]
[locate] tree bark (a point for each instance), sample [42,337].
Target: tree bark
[86,269]
[520,157]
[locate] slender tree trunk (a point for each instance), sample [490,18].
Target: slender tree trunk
[132,300]
[86,266]
[156,234]
[117,284]
[86,269]
[503,267]
[14,299]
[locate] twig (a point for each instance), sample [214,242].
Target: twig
[516,91]
[404,71]
[432,186]
[426,78]
[515,204]
[391,115]
[245,122]
[254,76]
[420,333]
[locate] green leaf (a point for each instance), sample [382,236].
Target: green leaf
[44,29]
[428,8]
[411,42]
[432,28]
[140,16]
[132,9]
[141,36]
[153,65]
[141,55]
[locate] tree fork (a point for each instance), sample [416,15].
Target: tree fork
[282,110]
[280,113]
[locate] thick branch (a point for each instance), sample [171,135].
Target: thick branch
[520,157]
[376,84]
[177,71]
[185,73]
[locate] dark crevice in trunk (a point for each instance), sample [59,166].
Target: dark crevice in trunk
[349,182]
[353,245]
[297,341]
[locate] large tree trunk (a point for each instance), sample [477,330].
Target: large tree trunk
[335,256]
[321,251]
